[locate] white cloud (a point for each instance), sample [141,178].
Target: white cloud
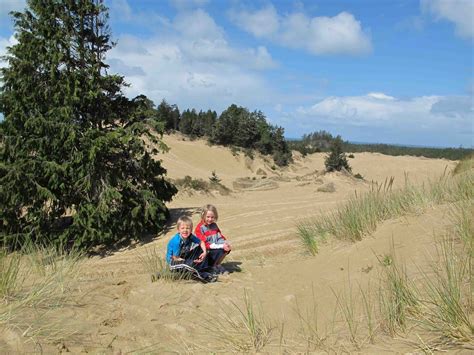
[380,96]
[193,65]
[341,34]
[441,120]
[261,23]
[460,12]
[198,24]
[4,43]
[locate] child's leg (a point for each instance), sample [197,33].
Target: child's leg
[216,256]
[219,261]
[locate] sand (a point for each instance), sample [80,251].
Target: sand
[117,309]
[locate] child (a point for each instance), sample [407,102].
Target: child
[186,253]
[208,231]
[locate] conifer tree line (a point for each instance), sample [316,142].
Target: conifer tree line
[236,126]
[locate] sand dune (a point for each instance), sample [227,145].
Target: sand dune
[119,310]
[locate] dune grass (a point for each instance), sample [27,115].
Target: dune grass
[398,295]
[448,305]
[34,282]
[241,328]
[154,264]
[360,215]
[309,329]
[441,299]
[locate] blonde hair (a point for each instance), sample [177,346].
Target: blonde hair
[184,220]
[208,208]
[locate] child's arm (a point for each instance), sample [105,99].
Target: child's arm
[172,250]
[200,235]
[203,254]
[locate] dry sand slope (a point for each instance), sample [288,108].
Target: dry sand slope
[119,310]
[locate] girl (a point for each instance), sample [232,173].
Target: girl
[208,231]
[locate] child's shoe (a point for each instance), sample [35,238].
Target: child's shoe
[209,276]
[221,270]
[212,278]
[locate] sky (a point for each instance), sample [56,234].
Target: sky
[375,71]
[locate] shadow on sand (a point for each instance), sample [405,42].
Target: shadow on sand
[232,266]
[145,238]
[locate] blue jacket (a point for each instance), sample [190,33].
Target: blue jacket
[177,244]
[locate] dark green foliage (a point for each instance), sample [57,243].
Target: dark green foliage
[336,160]
[73,166]
[169,115]
[314,142]
[186,121]
[214,184]
[237,126]
[214,178]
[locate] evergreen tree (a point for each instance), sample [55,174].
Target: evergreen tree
[186,122]
[227,125]
[169,114]
[281,152]
[71,147]
[336,159]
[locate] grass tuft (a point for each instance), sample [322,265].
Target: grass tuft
[34,283]
[156,266]
[449,291]
[360,215]
[242,329]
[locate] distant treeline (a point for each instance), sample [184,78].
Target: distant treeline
[238,127]
[235,127]
[321,141]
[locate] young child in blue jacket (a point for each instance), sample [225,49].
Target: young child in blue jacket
[186,253]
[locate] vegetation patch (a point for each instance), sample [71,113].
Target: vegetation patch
[360,215]
[191,184]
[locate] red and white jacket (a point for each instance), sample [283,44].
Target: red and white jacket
[210,234]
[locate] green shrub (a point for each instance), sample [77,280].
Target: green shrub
[214,178]
[336,160]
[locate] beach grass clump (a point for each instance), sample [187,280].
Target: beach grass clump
[465,164]
[309,329]
[361,214]
[154,264]
[34,282]
[307,239]
[449,301]
[346,304]
[10,277]
[398,297]
[241,328]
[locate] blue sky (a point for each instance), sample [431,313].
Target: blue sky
[380,71]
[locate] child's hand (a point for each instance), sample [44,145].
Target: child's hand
[201,258]
[227,246]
